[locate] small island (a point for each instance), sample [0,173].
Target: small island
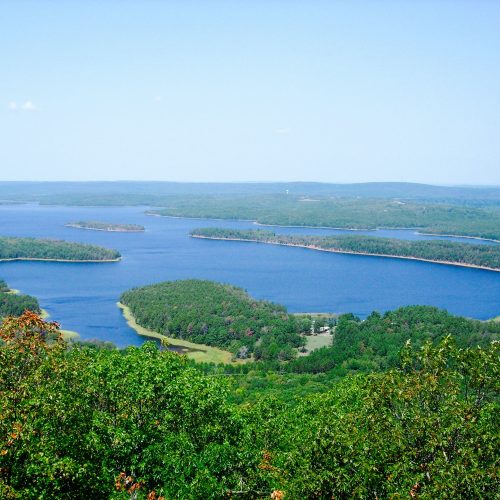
[13,249]
[437,251]
[107,226]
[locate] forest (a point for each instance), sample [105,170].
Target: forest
[344,213]
[79,421]
[361,346]
[14,304]
[487,256]
[220,315]
[106,226]
[46,249]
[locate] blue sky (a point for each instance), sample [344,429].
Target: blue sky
[250,91]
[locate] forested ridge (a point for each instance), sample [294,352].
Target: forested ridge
[346,213]
[216,314]
[83,422]
[47,249]
[165,193]
[106,226]
[487,256]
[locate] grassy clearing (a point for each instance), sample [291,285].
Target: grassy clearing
[197,352]
[317,341]
[316,314]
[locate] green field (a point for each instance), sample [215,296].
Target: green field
[314,342]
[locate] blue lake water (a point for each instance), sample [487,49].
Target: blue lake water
[82,297]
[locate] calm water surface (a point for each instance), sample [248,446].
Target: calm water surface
[82,297]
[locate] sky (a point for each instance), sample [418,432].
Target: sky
[329,91]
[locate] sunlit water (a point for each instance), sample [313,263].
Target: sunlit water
[82,297]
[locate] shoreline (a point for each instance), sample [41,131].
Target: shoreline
[198,352]
[198,218]
[459,236]
[68,335]
[257,223]
[74,226]
[40,259]
[350,252]
[382,228]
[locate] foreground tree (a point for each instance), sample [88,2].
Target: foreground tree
[84,422]
[428,429]
[76,420]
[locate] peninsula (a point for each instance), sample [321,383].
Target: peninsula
[107,226]
[12,249]
[438,251]
[217,315]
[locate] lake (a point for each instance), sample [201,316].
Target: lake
[82,297]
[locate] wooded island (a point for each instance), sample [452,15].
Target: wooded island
[438,251]
[12,249]
[107,226]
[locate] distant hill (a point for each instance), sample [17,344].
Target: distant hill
[130,192]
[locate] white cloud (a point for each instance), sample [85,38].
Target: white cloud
[158,98]
[283,131]
[12,105]
[28,106]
